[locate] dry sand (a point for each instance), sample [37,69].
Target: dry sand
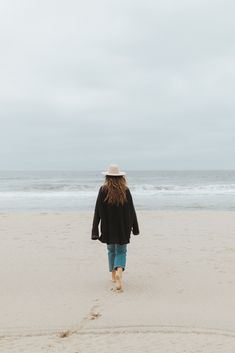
[179,285]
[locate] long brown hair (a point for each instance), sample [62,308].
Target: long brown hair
[115,186]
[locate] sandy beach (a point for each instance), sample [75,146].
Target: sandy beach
[57,295]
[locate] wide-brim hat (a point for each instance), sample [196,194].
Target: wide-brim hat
[113,170]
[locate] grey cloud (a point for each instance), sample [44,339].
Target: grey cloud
[147,85]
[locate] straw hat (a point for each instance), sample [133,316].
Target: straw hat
[113,170]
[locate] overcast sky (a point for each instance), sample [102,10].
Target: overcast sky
[145,84]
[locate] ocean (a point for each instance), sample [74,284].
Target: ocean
[77,190]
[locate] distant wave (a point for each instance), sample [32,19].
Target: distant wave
[59,187]
[46,194]
[180,189]
[86,190]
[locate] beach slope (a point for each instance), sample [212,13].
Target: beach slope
[57,294]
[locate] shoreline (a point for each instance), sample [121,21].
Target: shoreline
[138,210]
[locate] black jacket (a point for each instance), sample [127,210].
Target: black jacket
[117,221]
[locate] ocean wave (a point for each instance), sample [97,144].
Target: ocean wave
[46,194]
[142,190]
[58,187]
[187,190]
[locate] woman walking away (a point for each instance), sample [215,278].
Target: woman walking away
[115,209]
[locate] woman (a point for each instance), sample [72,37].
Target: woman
[114,208]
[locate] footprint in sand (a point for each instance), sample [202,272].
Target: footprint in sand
[115,290]
[95,311]
[94,316]
[66,333]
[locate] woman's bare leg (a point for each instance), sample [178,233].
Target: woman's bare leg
[118,278]
[113,275]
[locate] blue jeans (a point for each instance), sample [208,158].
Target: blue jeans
[117,256]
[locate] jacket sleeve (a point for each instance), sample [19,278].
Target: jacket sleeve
[96,218]
[135,226]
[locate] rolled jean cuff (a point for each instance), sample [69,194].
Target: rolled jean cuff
[117,256]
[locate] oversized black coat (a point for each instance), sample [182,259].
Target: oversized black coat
[117,221]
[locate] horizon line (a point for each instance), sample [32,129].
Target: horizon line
[128,170]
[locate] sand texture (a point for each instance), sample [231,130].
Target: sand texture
[57,294]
